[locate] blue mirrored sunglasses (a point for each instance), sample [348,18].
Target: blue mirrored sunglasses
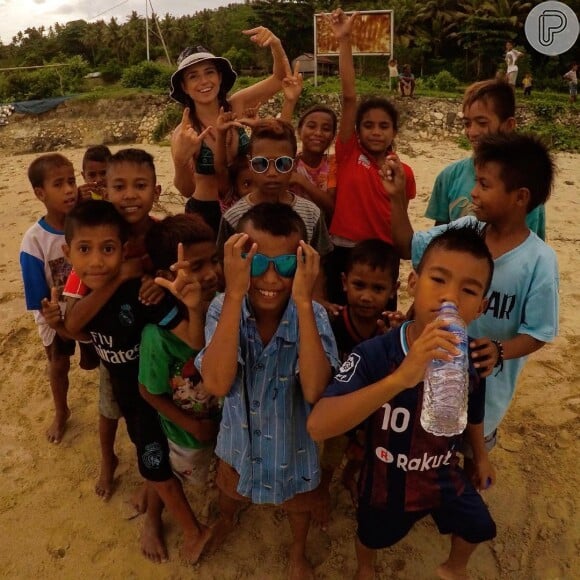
[282,164]
[285,264]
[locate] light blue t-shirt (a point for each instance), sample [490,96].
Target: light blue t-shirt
[523,299]
[451,197]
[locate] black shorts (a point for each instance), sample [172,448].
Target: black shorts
[210,212]
[466,516]
[145,431]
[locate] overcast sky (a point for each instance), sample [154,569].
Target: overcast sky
[18,15]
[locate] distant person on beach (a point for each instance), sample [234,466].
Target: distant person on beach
[94,172]
[488,107]
[270,351]
[407,82]
[201,84]
[393,74]
[527,84]
[572,77]
[511,58]
[44,273]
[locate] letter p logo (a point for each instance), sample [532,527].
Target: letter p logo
[551,22]
[552,28]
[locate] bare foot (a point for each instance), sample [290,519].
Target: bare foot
[104,485]
[299,568]
[56,430]
[152,542]
[192,548]
[321,513]
[447,573]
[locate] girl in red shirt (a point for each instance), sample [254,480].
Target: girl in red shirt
[365,139]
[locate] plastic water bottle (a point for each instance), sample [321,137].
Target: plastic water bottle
[446,383]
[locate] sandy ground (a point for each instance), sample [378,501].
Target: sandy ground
[54,526]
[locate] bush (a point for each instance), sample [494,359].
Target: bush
[147,75]
[111,72]
[170,119]
[445,81]
[46,82]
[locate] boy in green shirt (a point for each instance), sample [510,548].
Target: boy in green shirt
[168,379]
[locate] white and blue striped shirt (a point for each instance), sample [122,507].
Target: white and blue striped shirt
[273,453]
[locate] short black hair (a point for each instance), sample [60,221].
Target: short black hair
[371,103]
[163,237]
[278,219]
[275,130]
[133,155]
[468,239]
[39,168]
[98,153]
[94,213]
[524,161]
[377,255]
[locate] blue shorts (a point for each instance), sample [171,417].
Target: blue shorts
[466,516]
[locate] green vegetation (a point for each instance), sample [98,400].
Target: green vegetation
[447,43]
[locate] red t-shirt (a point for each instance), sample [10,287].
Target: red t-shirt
[363,208]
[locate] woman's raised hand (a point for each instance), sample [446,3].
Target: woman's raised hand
[261,36]
[186,141]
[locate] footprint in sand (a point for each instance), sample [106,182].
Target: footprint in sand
[561,509]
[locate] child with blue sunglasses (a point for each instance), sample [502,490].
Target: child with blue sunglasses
[270,372]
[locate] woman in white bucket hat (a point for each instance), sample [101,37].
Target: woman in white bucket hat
[201,83]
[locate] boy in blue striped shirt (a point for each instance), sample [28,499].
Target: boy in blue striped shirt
[271,371]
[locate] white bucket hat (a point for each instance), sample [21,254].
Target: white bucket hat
[196,55]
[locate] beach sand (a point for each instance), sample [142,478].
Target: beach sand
[54,526]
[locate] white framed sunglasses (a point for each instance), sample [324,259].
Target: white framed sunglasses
[283,164]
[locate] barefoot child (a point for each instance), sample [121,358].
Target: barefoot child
[370,280]
[44,272]
[132,189]
[169,380]
[95,236]
[514,175]
[407,472]
[270,372]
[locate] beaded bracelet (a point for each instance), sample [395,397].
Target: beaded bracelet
[499,347]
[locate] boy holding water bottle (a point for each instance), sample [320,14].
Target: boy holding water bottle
[407,472]
[515,174]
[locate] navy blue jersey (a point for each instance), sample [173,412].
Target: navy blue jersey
[404,465]
[117,327]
